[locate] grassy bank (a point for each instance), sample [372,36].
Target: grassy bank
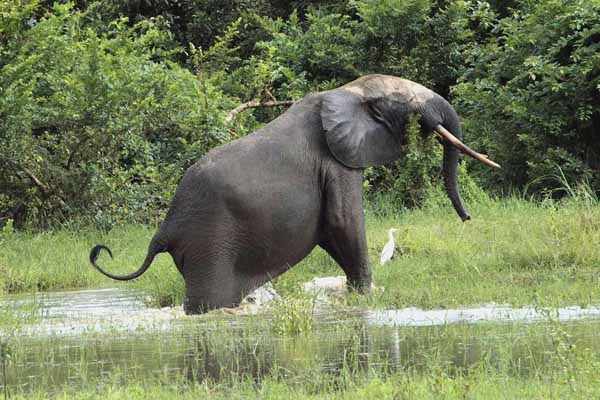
[512,251]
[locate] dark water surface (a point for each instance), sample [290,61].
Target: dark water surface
[110,336]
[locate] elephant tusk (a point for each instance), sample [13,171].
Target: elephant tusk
[445,135]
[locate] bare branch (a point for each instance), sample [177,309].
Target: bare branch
[255,104]
[41,186]
[34,179]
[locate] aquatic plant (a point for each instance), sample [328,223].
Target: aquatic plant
[10,323]
[293,316]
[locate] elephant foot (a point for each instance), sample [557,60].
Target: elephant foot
[196,305]
[361,285]
[192,306]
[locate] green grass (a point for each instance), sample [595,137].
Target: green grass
[474,386]
[59,259]
[512,251]
[490,361]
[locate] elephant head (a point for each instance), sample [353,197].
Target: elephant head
[365,123]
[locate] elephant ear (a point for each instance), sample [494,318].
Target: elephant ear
[362,132]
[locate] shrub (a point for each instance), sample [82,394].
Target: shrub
[532,97]
[99,123]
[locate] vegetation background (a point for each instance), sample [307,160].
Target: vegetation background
[104,104]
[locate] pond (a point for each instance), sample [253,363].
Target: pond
[109,336]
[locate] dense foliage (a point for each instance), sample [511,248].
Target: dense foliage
[97,119]
[104,104]
[532,94]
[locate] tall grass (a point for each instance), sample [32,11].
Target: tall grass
[59,259]
[512,251]
[473,386]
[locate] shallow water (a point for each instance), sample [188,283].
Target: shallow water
[488,313]
[109,335]
[95,303]
[76,312]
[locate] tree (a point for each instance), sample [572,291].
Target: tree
[98,122]
[532,96]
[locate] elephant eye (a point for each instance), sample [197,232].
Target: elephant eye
[377,114]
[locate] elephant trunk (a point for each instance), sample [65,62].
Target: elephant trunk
[450,159]
[453,146]
[450,166]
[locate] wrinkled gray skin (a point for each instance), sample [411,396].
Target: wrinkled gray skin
[253,208]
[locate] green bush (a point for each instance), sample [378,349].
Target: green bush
[104,104]
[532,96]
[407,181]
[98,123]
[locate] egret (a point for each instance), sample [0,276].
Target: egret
[388,250]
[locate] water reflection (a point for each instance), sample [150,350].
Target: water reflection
[219,349]
[220,353]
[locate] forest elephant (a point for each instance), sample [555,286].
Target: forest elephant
[251,209]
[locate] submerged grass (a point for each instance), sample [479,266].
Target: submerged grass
[512,251]
[340,360]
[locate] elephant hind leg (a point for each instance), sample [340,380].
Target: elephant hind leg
[196,302]
[209,286]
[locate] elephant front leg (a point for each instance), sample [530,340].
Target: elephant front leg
[343,234]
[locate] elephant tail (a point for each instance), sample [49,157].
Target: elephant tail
[153,250]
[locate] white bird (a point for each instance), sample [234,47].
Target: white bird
[388,250]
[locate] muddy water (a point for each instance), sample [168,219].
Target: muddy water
[110,336]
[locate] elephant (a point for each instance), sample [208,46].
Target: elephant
[249,210]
